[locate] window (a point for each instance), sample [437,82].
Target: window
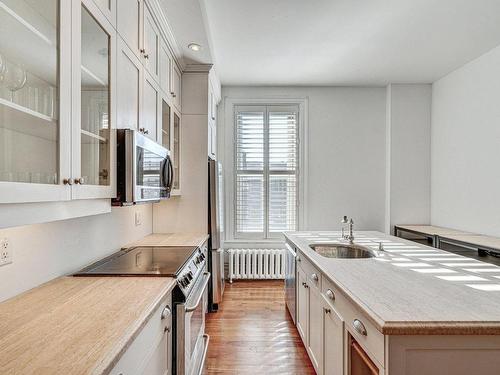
[266,167]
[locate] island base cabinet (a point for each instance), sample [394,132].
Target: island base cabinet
[438,355]
[333,342]
[315,346]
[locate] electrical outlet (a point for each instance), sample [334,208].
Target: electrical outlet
[5,252]
[138,218]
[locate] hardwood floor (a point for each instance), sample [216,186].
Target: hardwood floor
[252,333]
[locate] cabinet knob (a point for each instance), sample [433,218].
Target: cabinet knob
[68,181]
[359,327]
[79,181]
[142,50]
[330,294]
[146,57]
[327,311]
[299,260]
[314,277]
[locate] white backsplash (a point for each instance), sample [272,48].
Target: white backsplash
[43,252]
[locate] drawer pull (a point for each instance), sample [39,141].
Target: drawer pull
[359,327]
[330,294]
[314,277]
[166,313]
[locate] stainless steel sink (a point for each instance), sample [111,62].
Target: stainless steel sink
[351,251]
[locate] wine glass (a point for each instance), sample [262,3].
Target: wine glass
[15,78]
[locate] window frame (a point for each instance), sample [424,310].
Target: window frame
[266,109]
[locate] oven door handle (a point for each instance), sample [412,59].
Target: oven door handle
[192,307]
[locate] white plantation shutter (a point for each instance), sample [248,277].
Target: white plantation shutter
[266,146]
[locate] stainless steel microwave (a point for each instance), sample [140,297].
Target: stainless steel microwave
[144,169]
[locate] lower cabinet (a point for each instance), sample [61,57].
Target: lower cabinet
[302,306]
[151,351]
[333,341]
[315,345]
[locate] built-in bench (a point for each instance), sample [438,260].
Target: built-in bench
[476,246]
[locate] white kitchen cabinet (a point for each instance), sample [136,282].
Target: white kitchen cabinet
[150,107]
[151,49]
[129,87]
[129,24]
[315,342]
[333,341]
[166,66]
[108,8]
[302,306]
[151,351]
[93,112]
[175,86]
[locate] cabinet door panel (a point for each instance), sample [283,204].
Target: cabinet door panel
[176,152]
[165,68]
[150,108]
[129,14]
[333,341]
[316,328]
[176,86]
[94,100]
[35,106]
[151,43]
[129,75]
[302,306]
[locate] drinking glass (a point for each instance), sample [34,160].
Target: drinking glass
[14,78]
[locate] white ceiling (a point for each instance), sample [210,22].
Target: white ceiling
[336,42]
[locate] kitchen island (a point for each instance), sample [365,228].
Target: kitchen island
[409,307]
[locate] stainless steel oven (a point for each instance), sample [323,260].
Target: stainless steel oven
[144,169]
[192,342]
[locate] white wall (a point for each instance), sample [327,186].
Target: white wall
[465,152]
[42,252]
[408,148]
[345,152]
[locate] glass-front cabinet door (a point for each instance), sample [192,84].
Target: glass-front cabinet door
[35,106]
[93,111]
[176,154]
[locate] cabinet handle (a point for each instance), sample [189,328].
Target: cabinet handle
[314,277]
[174,96]
[142,50]
[299,260]
[359,327]
[68,181]
[330,294]
[166,312]
[80,180]
[144,131]
[327,311]
[146,57]
[306,286]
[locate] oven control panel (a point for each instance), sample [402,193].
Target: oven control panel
[193,268]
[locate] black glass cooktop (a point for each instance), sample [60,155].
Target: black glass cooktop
[142,261]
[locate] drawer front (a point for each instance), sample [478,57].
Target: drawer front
[139,351]
[313,274]
[365,333]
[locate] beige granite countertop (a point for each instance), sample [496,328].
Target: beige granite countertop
[76,325]
[412,288]
[171,239]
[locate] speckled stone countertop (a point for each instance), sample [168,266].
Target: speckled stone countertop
[412,289]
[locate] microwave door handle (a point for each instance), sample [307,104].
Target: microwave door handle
[163,167]
[170,174]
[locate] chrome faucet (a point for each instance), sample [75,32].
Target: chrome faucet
[348,237]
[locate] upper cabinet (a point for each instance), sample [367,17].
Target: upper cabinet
[128,24]
[34,102]
[175,86]
[151,47]
[108,8]
[94,142]
[213,100]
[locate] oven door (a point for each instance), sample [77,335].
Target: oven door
[153,172]
[192,342]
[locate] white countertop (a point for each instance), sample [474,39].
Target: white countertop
[412,288]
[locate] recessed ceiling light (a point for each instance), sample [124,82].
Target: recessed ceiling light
[194,46]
